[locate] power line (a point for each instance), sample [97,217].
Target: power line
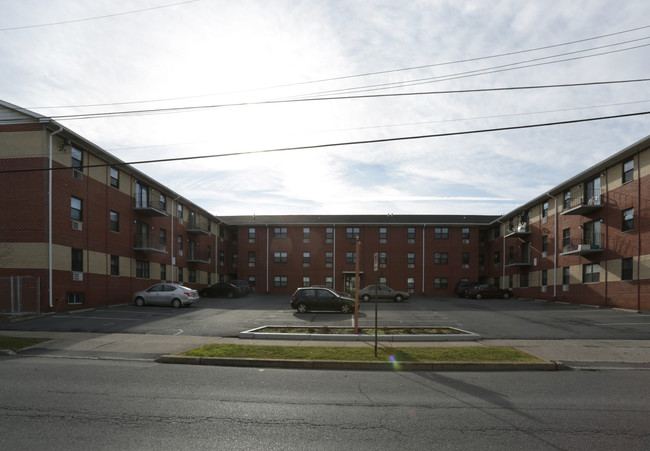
[315,99]
[64,22]
[367,74]
[330,145]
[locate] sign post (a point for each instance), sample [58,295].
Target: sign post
[376,295]
[356,287]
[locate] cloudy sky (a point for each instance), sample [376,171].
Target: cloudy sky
[321,86]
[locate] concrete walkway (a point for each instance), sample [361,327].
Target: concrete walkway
[577,354]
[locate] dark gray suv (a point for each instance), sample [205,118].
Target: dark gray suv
[316,298]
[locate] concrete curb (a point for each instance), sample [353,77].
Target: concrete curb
[258,333]
[363,365]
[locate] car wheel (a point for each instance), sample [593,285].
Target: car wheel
[399,298]
[479,296]
[139,302]
[302,308]
[366,298]
[176,303]
[345,308]
[229,294]
[506,295]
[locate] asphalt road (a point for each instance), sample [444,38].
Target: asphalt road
[72,404]
[491,318]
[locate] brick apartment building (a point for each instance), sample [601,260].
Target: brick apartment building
[80,228]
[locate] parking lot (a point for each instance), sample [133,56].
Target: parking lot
[490,318]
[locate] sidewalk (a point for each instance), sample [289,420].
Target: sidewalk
[577,354]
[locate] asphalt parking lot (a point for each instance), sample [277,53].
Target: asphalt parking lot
[521,319]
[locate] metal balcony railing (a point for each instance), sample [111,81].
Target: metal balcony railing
[150,206]
[198,256]
[143,242]
[589,201]
[586,244]
[198,225]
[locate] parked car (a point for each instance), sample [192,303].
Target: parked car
[166,294]
[221,290]
[487,291]
[383,292]
[463,286]
[313,298]
[243,285]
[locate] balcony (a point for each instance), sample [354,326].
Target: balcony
[591,244]
[521,230]
[585,204]
[150,207]
[149,244]
[198,226]
[198,256]
[521,260]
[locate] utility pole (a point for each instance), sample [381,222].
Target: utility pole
[356,286]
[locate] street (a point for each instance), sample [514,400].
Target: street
[57,403]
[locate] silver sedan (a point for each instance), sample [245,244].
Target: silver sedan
[383,292]
[166,294]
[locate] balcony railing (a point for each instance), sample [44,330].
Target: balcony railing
[150,207]
[149,244]
[198,226]
[522,259]
[584,245]
[198,256]
[584,204]
[521,229]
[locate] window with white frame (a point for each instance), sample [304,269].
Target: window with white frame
[115,178]
[306,281]
[440,258]
[279,257]
[591,273]
[114,218]
[329,234]
[306,259]
[350,257]
[440,283]
[410,235]
[383,234]
[410,284]
[441,233]
[352,233]
[628,220]
[279,281]
[628,171]
[410,260]
[76,209]
[280,232]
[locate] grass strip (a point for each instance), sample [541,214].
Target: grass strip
[16,344]
[419,354]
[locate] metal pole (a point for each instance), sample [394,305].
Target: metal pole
[356,287]
[376,297]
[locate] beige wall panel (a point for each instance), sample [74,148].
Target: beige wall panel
[62,258]
[644,163]
[614,271]
[98,263]
[614,177]
[22,144]
[24,255]
[644,269]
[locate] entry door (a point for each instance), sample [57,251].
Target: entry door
[349,283]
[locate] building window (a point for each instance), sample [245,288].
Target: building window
[76,211]
[77,260]
[441,258]
[280,281]
[115,265]
[497,257]
[141,195]
[591,273]
[251,282]
[410,260]
[544,277]
[329,282]
[350,257]
[628,220]
[306,281]
[592,192]
[329,259]
[77,158]
[383,234]
[567,200]
[222,258]
[544,245]
[141,269]
[628,171]
[465,259]
[306,258]
[180,275]
[627,269]
[75,298]
[441,233]
[114,221]
[191,276]
[163,272]
[306,234]
[566,239]
[410,235]
[329,234]
[115,178]
[180,244]
[410,284]
[251,259]
[465,233]
[163,202]
[441,283]
[279,257]
[497,232]
[352,233]
[251,234]
[566,275]
[545,210]
[179,212]
[280,232]
[163,240]
[523,280]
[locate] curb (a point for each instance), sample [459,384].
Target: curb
[363,365]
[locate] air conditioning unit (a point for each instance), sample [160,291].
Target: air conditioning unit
[465,266]
[77,276]
[77,225]
[565,287]
[465,241]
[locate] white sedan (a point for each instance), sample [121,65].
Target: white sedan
[166,294]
